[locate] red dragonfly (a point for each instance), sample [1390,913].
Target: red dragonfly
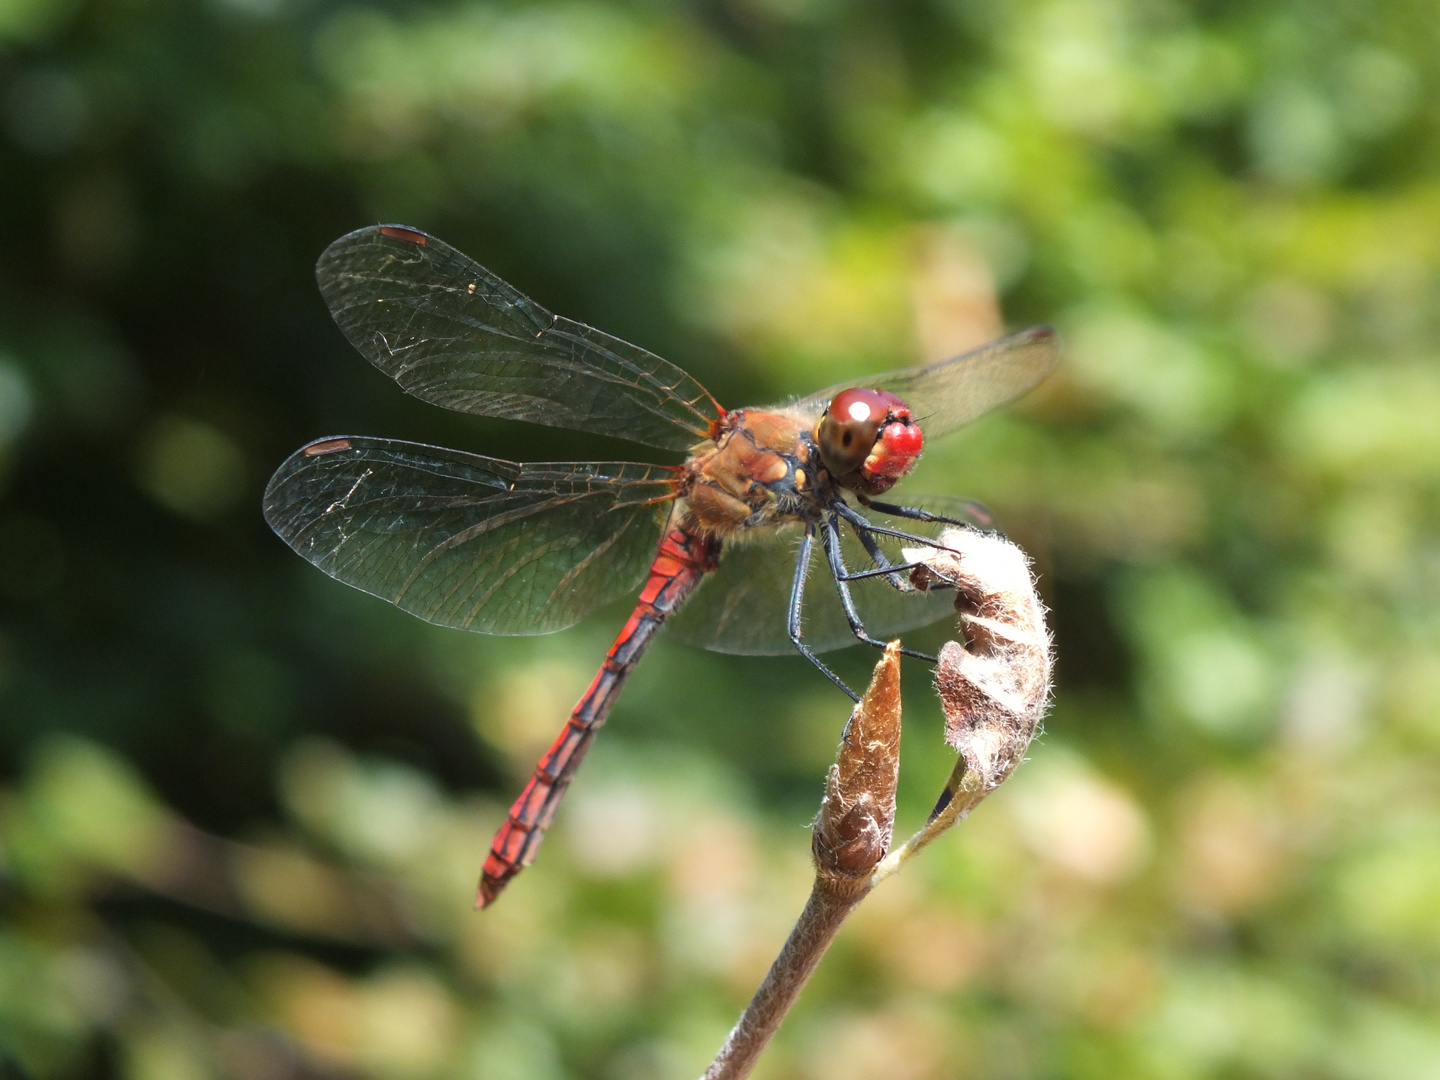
[507,548]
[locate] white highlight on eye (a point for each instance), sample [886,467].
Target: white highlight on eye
[859,410]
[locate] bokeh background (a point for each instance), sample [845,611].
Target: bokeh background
[243,807]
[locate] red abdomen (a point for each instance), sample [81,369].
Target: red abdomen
[682,561]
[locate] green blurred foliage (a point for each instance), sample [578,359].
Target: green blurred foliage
[243,807]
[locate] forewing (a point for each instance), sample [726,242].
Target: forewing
[468,541]
[453,334]
[953,392]
[743,606]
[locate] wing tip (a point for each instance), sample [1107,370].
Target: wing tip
[315,448]
[405,233]
[1043,336]
[1044,340]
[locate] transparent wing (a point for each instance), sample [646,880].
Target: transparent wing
[453,334]
[953,392]
[468,541]
[743,606]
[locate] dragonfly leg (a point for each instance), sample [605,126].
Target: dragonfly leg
[883,565]
[830,538]
[888,571]
[864,530]
[979,516]
[864,525]
[797,599]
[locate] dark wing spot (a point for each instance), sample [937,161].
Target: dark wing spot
[400,232]
[326,446]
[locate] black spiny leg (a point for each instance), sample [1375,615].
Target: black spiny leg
[830,538]
[866,530]
[979,517]
[885,568]
[797,597]
[893,579]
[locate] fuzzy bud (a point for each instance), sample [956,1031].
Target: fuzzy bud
[994,689]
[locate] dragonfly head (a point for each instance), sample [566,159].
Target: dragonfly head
[868,439]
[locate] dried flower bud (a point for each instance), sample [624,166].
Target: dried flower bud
[857,816]
[995,688]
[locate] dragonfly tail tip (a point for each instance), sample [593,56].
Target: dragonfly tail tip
[490,887]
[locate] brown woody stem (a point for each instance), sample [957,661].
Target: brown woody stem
[852,833]
[816,928]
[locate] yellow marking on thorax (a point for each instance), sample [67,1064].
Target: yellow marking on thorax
[776,469]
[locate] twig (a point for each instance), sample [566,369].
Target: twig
[993,691]
[852,833]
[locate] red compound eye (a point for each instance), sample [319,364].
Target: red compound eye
[898,408]
[860,406]
[867,438]
[849,428]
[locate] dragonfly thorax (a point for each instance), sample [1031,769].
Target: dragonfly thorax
[762,469]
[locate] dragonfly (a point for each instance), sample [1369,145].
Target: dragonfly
[502,547]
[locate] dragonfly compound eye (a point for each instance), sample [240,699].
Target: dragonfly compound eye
[868,439]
